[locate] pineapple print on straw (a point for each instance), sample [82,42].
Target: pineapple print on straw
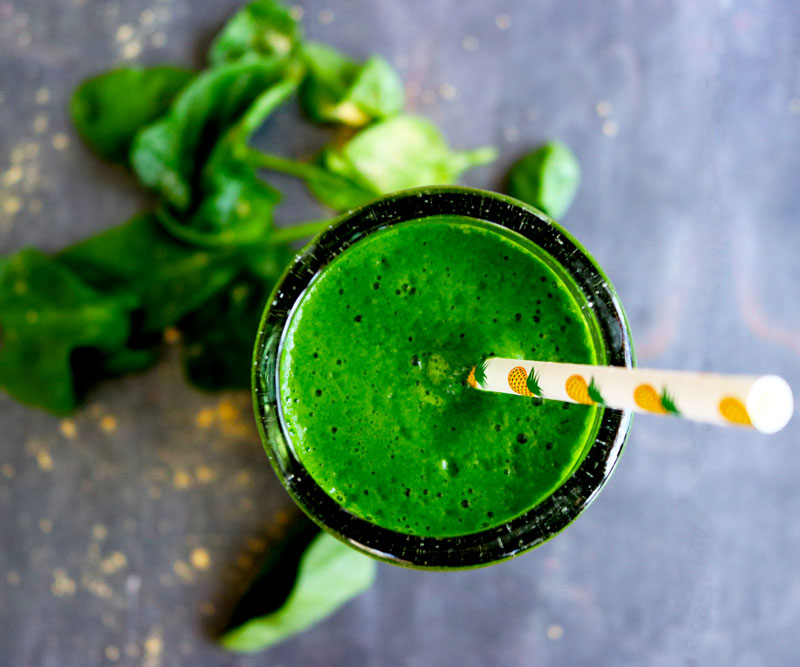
[764,403]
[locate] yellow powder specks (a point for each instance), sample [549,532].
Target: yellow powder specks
[13,578]
[41,123]
[228,417]
[200,559]
[502,21]
[11,205]
[131,50]
[153,645]
[296,12]
[114,563]
[46,526]
[99,532]
[44,460]
[124,32]
[448,91]
[181,479]
[469,43]
[147,17]
[610,128]
[98,588]
[108,424]
[325,17]
[603,108]
[60,141]
[111,653]
[204,418]
[226,411]
[68,429]
[182,569]
[62,585]
[132,650]
[244,561]
[555,632]
[256,544]
[8,470]
[30,150]
[243,478]
[207,608]
[171,335]
[42,96]
[13,175]
[204,474]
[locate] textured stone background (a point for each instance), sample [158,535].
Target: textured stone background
[125,532]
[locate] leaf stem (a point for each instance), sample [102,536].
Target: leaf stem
[284,165]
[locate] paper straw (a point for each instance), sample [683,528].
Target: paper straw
[762,402]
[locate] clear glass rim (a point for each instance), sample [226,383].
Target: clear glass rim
[522,533]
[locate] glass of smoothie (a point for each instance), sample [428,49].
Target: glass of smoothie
[361,367]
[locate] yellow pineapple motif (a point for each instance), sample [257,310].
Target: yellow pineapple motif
[517,379]
[647,398]
[523,383]
[578,390]
[734,411]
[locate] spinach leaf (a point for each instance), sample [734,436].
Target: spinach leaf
[108,110]
[330,574]
[401,152]
[231,204]
[261,28]
[218,337]
[338,90]
[46,314]
[169,154]
[164,277]
[546,178]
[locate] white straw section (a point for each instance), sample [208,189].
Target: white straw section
[762,402]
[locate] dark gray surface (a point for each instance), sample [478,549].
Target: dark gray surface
[690,554]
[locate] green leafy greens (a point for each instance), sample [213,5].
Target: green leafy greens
[168,155]
[546,178]
[109,109]
[329,574]
[46,315]
[338,90]
[264,28]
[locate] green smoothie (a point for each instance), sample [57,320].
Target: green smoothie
[373,368]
